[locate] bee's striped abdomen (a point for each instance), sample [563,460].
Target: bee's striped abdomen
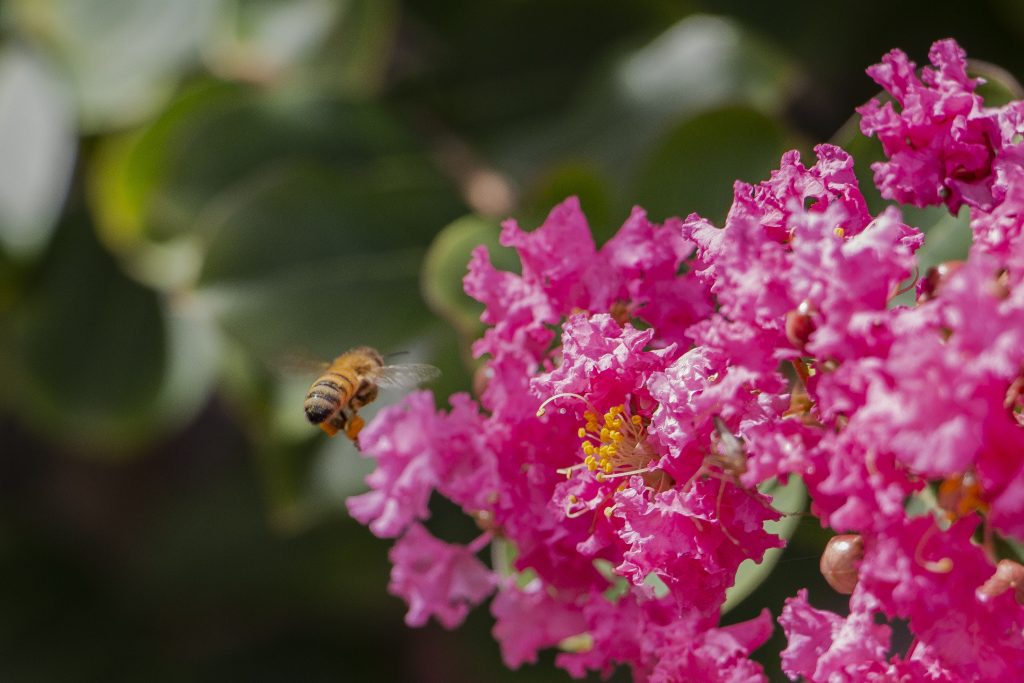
[328,394]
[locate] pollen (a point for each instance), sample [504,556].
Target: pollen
[615,444]
[840,232]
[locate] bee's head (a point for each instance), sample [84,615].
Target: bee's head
[369,355]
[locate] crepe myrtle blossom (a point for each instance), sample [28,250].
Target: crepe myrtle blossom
[961,632]
[945,146]
[638,395]
[577,487]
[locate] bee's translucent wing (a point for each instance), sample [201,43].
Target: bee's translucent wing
[405,375]
[299,363]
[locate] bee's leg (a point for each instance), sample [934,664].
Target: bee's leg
[355,425]
[336,423]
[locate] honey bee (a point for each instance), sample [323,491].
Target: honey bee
[352,381]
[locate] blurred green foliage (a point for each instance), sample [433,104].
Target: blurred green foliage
[193,193]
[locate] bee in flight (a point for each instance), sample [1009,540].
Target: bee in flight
[350,382]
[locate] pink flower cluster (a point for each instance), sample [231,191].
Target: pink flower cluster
[639,394]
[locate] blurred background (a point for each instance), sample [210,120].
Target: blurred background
[196,195]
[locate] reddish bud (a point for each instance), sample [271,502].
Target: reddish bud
[1001,287]
[839,562]
[928,287]
[481,378]
[799,325]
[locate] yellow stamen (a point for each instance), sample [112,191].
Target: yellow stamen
[617,448]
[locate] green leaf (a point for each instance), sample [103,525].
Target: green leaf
[575,178]
[101,365]
[37,136]
[124,57]
[702,62]
[445,266]
[259,40]
[299,259]
[692,168]
[698,64]
[360,49]
[339,47]
[788,499]
[154,192]
[947,237]
[1000,86]
[865,151]
[219,145]
[129,171]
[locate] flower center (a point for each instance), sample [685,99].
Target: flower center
[960,495]
[616,445]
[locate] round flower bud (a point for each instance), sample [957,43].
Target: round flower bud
[799,325]
[481,378]
[839,562]
[929,285]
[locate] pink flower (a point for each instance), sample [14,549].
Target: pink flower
[560,258]
[635,273]
[942,144]
[913,571]
[998,230]
[602,360]
[826,647]
[437,579]
[694,537]
[661,644]
[853,487]
[529,619]
[810,633]
[647,259]
[716,655]
[935,403]
[405,477]
[451,459]
[637,394]
[774,256]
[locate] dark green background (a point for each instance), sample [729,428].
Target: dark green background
[194,194]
